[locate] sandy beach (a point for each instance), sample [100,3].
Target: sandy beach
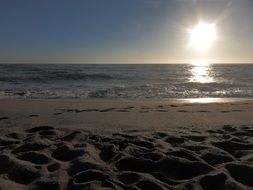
[125,145]
[126,95]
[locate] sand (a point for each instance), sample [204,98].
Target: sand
[125,145]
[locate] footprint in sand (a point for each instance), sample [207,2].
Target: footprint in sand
[128,108]
[123,111]
[162,110]
[3,118]
[107,110]
[90,110]
[202,111]
[238,110]
[225,111]
[145,108]
[143,111]
[34,157]
[183,111]
[33,115]
[58,113]
[66,153]
[134,159]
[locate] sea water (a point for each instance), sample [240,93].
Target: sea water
[125,81]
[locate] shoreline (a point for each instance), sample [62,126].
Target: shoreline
[120,115]
[203,100]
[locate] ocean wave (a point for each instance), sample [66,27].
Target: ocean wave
[143,92]
[121,82]
[121,93]
[78,76]
[64,76]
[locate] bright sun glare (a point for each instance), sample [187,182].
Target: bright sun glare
[202,36]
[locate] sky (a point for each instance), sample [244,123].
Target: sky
[122,31]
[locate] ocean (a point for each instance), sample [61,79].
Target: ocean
[125,81]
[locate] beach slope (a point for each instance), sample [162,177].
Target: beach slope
[125,145]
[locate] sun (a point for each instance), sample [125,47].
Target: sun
[202,36]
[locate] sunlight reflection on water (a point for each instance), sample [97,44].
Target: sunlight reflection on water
[213,100]
[201,73]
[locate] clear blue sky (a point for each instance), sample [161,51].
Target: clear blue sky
[121,31]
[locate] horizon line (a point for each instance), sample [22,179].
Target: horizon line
[107,63]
